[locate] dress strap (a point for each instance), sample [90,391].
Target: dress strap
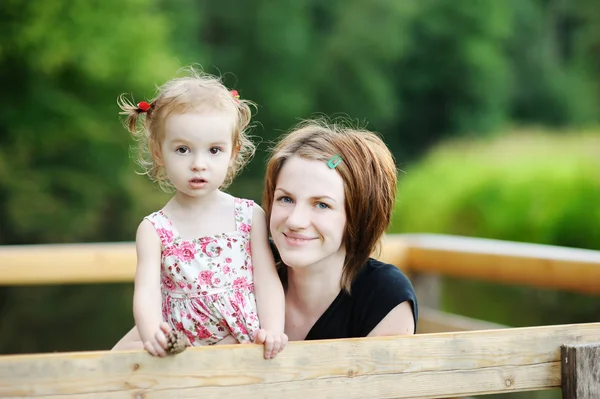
[163,227]
[244,209]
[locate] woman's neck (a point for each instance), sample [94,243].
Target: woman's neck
[313,289]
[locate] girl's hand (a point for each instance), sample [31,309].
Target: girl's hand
[157,346]
[274,343]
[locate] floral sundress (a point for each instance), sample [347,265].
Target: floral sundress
[207,283]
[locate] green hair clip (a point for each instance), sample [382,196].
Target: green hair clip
[334,161]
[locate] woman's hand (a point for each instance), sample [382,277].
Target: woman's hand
[274,343]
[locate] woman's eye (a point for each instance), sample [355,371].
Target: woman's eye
[285,199]
[182,150]
[215,150]
[322,205]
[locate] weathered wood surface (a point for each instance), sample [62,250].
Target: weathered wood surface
[581,371]
[571,269]
[534,265]
[67,263]
[419,366]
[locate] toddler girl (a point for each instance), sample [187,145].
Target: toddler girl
[203,261]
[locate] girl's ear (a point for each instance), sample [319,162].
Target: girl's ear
[234,154]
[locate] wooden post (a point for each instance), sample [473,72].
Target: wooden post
[580,371]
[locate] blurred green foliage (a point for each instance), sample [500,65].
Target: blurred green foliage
[527,186]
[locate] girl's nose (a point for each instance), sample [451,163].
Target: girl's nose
[198,163]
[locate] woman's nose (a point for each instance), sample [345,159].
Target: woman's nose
[298,218]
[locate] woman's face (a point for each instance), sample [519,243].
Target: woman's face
[308,217]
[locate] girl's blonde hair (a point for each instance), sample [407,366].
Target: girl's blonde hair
[198,91]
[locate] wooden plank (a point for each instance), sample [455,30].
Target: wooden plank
[581,371]
[418,366]
[105,262]
[547,266]
[437,321]
[67,263]
[535,265]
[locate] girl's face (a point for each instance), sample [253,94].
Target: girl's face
[308,216]
[196,151]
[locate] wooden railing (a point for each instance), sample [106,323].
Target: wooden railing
[534,265]
[490,360]
[419,366]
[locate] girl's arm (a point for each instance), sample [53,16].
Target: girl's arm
[147,307]
[270,298]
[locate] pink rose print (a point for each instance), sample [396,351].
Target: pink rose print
[168,283]
[166,236]
[226,269]
[186,252]
[239,282]
[245,227]
[228,260]
[190,335]
[171,250]
[178,326]
[210,248]
[202,332]
[201,315]
[205,277]
[166,308]
[248,248]
[240,299]
[241,327]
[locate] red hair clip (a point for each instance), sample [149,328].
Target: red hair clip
[235,93]
[143,106]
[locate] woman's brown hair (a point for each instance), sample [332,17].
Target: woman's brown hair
[369,174]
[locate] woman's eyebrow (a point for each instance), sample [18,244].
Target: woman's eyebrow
[283,191]
[314,197]
[320,197]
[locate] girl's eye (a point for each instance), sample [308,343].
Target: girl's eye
[285,199]
[182,150]
[322,205]
[215,150]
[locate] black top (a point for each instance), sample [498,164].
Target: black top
[378,288]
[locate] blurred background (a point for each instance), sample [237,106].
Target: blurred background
[490,107]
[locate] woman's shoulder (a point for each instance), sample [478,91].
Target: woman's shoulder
[375,273]
[378,289]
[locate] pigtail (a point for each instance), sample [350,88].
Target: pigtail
[132,112]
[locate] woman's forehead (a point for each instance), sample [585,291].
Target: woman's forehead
[307,177]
